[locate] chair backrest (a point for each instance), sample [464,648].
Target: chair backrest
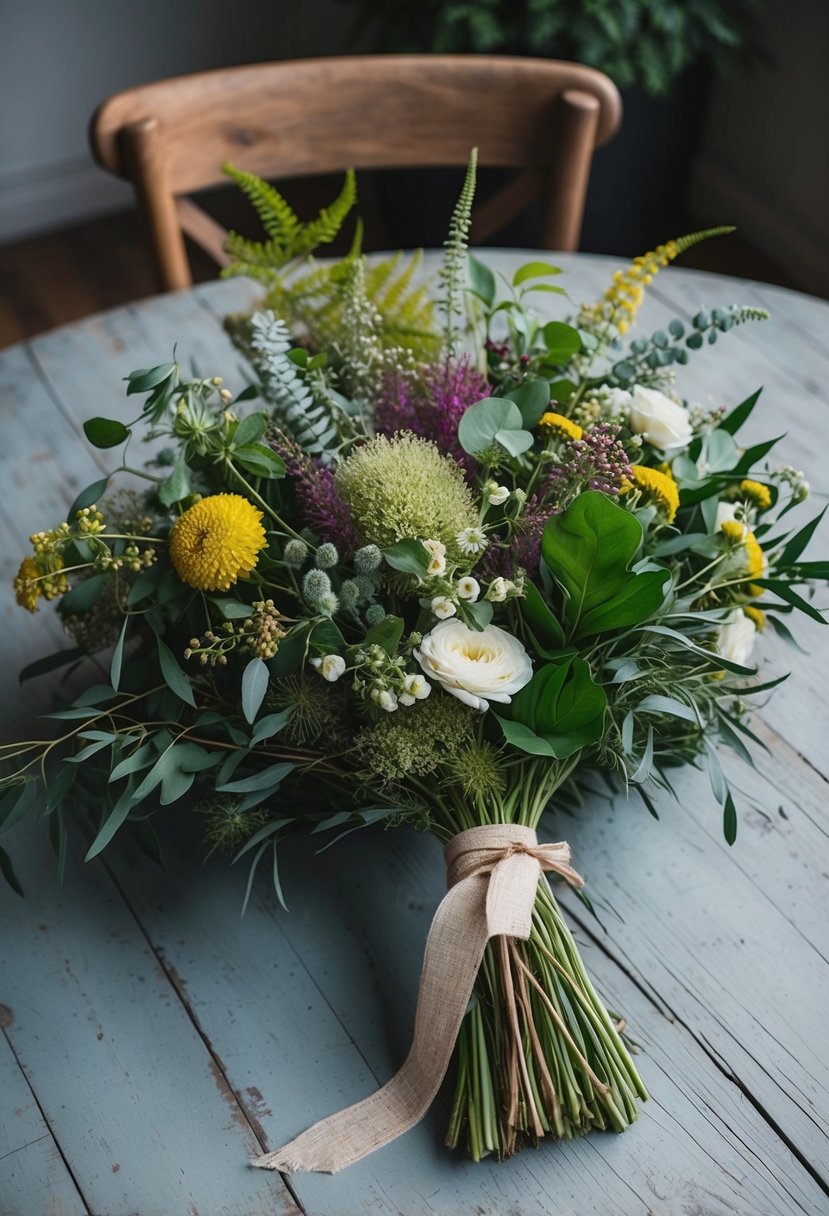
[283,120]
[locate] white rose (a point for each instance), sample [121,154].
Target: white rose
[659,420]
[475,666]
[736,638]
[330,667]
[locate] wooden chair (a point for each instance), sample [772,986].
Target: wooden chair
[290,119]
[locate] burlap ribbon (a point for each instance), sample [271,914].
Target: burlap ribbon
[492,873]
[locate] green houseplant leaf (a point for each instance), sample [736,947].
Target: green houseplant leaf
[588,549]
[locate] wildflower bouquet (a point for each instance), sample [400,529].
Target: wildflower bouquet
[456,558]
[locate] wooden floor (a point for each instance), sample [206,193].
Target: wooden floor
[63,276]
[151,1041]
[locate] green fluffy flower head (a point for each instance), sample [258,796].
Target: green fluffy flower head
[404,487]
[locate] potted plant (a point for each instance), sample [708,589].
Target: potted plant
[662,54]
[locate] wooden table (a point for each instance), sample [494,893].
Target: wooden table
[153,1041]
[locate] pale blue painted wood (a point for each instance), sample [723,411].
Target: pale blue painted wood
[718,960]
[33,1175]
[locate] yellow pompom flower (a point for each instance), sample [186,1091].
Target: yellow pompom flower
[557,424]
[759,494]
[751,556]
[755,558]
[217,541]
[659,487]
[733,530]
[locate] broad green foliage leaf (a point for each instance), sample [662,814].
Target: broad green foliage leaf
[51,662]
[386,633]
[562,341]
[545,626]
[559,712]
[84,595]
[588,549]
[532,400]
[105,432]
[408,556]
[176,486]
[174,677]
[254,686]
[534,270]
[490,421]
[481,280]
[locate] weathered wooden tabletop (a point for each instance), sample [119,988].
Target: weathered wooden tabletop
[153,1041]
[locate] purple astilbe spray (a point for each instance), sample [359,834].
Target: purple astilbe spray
[434,407]
[321,505]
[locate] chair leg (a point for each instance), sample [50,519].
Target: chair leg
[148,172]
[576,123]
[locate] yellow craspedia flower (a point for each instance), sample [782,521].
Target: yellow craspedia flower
[759,494]
[26,590]
[217,541]
[755,558]
[732,529]
[557,424]
[756,615]
[659,487]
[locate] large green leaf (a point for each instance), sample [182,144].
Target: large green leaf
[559,712]
[588,549]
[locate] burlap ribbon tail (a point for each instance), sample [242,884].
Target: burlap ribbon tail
[492,874]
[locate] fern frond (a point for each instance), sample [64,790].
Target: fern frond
[453,269]
[279,219]
[330,220]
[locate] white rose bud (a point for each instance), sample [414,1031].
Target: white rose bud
[385,699]
[476,666]
[468,588]
[497,591]
[659,420]
[736,638]
[443,607]
[437,553]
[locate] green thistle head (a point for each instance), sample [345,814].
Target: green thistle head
[404,487]
[226,828]
[478,770]
[317,709]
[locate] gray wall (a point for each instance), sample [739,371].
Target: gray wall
[60,58]
[764,163]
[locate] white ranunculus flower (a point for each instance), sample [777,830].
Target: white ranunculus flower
[475,666]
[468,588]
[659,420]
[736,638]
[330,666]
[415,688]
[497,495]
[497,591]
[443,607]
[437,556]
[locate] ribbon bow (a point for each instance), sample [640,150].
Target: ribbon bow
[492,874]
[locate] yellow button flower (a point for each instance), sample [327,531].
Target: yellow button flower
[759,494]
[658,487]
[216,542]
[561,426]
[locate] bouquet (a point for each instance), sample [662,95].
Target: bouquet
[457,562]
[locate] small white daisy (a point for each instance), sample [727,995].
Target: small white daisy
[471,541]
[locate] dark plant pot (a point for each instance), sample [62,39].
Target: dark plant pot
[637,185]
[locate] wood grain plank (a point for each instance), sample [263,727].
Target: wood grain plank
[34,1180]
[140,1109]
[310,1010]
